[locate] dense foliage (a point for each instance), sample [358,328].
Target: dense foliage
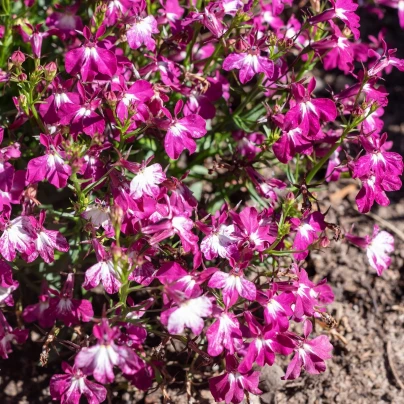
[158,177]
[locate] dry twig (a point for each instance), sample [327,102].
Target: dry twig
[392,366]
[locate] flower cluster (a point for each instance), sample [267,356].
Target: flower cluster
[137,127]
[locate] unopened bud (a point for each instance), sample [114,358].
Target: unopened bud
[117,215]
[17,58]
[50,71]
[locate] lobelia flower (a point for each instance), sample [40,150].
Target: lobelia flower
[52,165]
[47,241]
[233,284]
[100,359]
[250,62]
[8,335]
[188,313]
[307,232]
[345,11]
[224,333]
[18,235]
[338,51]
[220,239]
[309,296]
[36,312]
[384,60]
[139,92]
[170,225]
[265,187]
[99,214]
[374,190]
[103,272]
[182,132]
[377,160]
[251,231]
[310,355]
[211,17]
[231,386]
[63,307]
[65,22]
[277,307]
[308,113]
[147,180]
[377,247]
[81,116]
[69,387]
[291,142]
[265,342]
[7,284]
[92,59]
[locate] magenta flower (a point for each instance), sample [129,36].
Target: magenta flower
[385,60]
[230,386]
[220,238]
[182,132]
[377,160]
[345,11]
[251,230]
[36,312]
[310,355]
[308,113]
[100,359]
[8,335]
[277,307]
[92,59]
[47,241]
[103,272]
[378,246]
[52,165]
[147,181]
[18,235]
[234,285]
[264,343]
[291,142]
[63,307]
[141,30]
[69,387]
[7,284]
[189,313]
[307,232]
[224,333]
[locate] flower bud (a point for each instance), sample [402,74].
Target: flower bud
[117,215]
[50,71]
[17,58]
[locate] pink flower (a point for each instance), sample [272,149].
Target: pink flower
[100,359]
[182,132]
[147,181]
[377,247]
[307,232]
[8,334]
[103,272]
[36,312]
[69,387]
[64,307]
[308,113]
[140,32]
[265,342]
[345,11]
[51,166]
[92,59]
[189,313]
[224,333]
[310,355]
[230,386]
[18,235]
[46,241]
[234,285]
[384,60]
[7,284]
